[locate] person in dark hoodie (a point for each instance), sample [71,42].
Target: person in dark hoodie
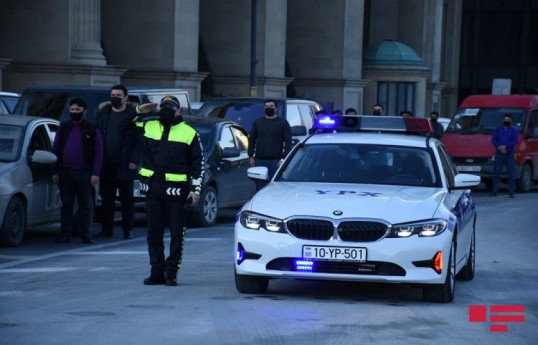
[171,174]
[121,159]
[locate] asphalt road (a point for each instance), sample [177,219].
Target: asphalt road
[93,294]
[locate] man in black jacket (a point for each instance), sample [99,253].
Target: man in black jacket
[120,161]
[79,149]
[269,140]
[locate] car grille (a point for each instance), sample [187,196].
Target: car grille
[341,267]
[361,231]
[311,229]
[475,160]
[348,231]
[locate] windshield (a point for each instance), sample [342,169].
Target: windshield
[56,104]
[484,120]
[360,163]
[244,113]
[11,138]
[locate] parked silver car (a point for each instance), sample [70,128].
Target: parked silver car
[27,194]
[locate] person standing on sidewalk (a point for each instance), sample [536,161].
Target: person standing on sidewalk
[171,173]
[120,161]
[269,140]
[79,149]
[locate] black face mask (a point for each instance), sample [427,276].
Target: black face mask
[115,101]
[76,117]
[166,115]
[434,120]
[377,112]
[506,123]
[269,111]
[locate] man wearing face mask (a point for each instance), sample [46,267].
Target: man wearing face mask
[171,173]
[269,140]
[121,158]
[504,138]
[79,149]
[378,110]
[437,128]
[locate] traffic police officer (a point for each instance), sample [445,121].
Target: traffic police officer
[171,173]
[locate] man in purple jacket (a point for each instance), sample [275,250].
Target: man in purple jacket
[504,139]
[79,149]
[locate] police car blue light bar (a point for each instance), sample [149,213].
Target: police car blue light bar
[364,123]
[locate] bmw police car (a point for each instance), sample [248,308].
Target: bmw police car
[362,199]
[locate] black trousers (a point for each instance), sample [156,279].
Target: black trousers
[74,187]
[108,188]
[160,212]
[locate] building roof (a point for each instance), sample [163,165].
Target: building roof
[390,52]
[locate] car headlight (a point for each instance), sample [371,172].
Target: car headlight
[426,228]
[256,221]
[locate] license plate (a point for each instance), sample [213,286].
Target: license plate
[472,168]
[334,253]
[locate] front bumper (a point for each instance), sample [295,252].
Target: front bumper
[389,260]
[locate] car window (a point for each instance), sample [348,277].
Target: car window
[243,113]
[56,104]
[292,115]
[226,138]
[40,140]
[361,163]
[307,115]
[485,120]
[11,138]
[241,138]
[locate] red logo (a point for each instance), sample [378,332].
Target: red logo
[499,315]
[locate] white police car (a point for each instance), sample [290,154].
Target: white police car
[361,200]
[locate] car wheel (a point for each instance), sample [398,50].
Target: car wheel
[207,212]
[443,293]
[524,182]
[251,284]
[14,224]
[467,272]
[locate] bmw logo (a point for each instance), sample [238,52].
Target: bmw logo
[338,213]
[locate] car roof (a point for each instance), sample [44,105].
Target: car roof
[9,94]
[22,120]
[500,101]
[253,99]
[207,120]
[368,138]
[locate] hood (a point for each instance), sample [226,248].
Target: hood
[473,145]
[395,204]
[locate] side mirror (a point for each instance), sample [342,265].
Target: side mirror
[258,173]
[466,181]
[43,157]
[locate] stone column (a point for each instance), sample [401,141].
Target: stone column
[86,33]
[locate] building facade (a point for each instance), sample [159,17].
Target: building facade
[405,54]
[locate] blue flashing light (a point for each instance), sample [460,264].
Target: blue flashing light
[304,265]
[240,254]
[325,122]
[365,123]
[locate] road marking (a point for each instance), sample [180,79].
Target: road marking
[90,250]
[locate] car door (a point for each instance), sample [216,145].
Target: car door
[44,200]
[234,185]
